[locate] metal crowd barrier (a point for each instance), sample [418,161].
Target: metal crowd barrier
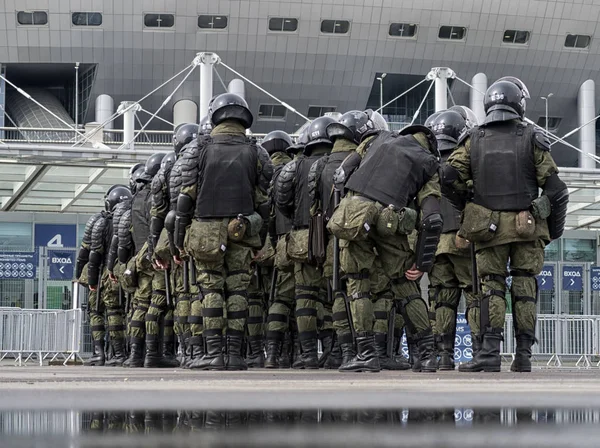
[560,338]
[25,334]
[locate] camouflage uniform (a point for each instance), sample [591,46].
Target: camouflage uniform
[229,274]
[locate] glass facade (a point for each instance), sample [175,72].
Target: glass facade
[579,250]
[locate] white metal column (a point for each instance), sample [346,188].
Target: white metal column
[207,61]
[479,83]
[129,121]
[586,107]
[440,76]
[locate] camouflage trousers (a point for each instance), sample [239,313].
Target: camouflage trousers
[159,308]
[451,275]
[308,295]
[258,293]
[358,260]
[109,304]
[223,290]
[182,300]
[140,305]
[281,311]
[526,261]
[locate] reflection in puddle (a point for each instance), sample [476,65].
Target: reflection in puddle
[181,422]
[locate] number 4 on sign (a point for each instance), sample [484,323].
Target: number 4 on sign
[56,241]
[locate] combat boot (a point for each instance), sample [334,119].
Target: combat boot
[348,353]
[153,357]
[118,353]
[213,358]
[168,358]
[194,350]
[414,357]
[274,347]
[309,358]
[335,357]
[326,345]
[385,362]
[475,343]
[182,352]
[284,356]
[427,355]
[99,358]
[488,358]
[256,358]
[235,360]
[522,361]
[446,352]
[136,357]
[366,359]
[296,351]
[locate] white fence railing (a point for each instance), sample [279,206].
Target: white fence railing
[560,338]
[42,334]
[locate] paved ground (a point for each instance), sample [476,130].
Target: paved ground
[35,387]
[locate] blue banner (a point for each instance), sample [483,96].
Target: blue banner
[55,235]
[546,278]
[595,278]
[572,278]
[18,265]
[463,345]
[61,264]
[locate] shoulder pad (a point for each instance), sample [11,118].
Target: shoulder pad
[157,182]
[540,140]
[289,171]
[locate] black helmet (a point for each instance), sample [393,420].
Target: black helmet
[431,118]
[153,164]
[300,143]
[376,122]
[134,173]
[276,141]
[115,195]
[415,129]
[520,84]
[204,127]
[470,118]
[184,133]
[351,126]
[229,106]
[317,133]
[448,126]
[168,161]
[503,101]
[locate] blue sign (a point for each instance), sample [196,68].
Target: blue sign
[55,235]
[463,345]
[595,278]
[18,265]
[572,278]
[546,278]
[61,264]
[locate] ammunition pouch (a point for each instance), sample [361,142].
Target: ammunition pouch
[479,224]
[206,240]
[353,218]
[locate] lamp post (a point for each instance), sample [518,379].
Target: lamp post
[546,98]
[76,100]
[380,79]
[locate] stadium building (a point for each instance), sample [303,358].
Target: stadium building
[72,63]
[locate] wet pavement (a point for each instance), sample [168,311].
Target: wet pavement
[89,407]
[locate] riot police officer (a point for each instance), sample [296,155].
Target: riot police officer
[388,173]
[507,161]
[451,274]
[224,184]
[292,200]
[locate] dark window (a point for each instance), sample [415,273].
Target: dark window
[335,26]
[86,18]
[516,37]
[452,32]
[159,20]
[212,22]
[283,24]
[553,122]
[319,111]
[403,29]
[32,17]
[577,41]
[271,112]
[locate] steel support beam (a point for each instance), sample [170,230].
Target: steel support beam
[20,189]
[81,189]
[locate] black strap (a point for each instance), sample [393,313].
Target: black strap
[239,292]
[484,315]
[238,272]
[494,277]
[381,315]
[360,295]
[275,335]
[363,275]
[446,305]
[340,316]
[281,302]
[212,312]
[194,320]
[402,303]
[252,320]
[97,328]
[306,312]
[238,314]
[195,340]
[159,293]
[525,299]
[209,271]
[520,273]
[137,324]
[345,338]
[306,297]
[211,291]
[308,288]
[234,332]
[151,317]
[277,318]
[305,335]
